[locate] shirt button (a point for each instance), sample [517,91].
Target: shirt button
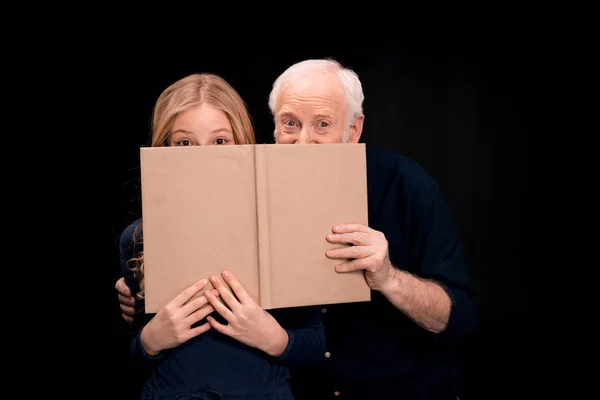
[323,310]
[327,354]
[336,393]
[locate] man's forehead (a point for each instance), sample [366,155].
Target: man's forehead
[326,103]
[323,84]
[309,107]
[310,112]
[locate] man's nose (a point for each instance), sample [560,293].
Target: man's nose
[305,136]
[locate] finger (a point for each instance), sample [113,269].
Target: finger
[193,332]
[347,228]
[188,293]
[126,300]
[214,292]
[127,318]
[224,329]
[219,306]
[193,305]
[351,252]
[127,310]
[355,238]
[198,315]
[236,286]
[122,287]
[354,265]
[225,293]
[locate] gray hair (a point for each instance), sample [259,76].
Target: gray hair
[348,78]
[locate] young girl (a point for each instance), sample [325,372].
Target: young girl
[239,351]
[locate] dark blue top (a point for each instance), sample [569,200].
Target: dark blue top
[376,350]
[212,365]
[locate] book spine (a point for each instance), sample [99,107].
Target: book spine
[262,219]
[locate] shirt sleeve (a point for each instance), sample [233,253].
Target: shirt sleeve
[126,247]
[137,350]
[442,259]
[304,326]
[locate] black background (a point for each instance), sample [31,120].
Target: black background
[461,116]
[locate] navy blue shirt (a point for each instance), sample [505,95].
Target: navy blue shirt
[375,351]
[212,365]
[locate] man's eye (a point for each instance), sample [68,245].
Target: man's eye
[323,124]
[289,123]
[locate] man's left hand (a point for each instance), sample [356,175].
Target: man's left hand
[368,251]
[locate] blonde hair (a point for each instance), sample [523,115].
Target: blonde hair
[191,91]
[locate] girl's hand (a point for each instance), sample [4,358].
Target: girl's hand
[247,321]
[172,325]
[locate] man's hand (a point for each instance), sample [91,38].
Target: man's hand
[369,252]
[172,325]
[126,300]
[247,321]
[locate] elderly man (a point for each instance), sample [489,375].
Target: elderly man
[401,344]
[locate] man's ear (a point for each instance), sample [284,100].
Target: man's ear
[356,129]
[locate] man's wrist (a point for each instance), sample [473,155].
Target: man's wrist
[397,285]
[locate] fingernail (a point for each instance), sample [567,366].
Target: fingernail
[203,281]
[213,278]
[226,274]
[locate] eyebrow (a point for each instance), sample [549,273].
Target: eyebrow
[287,114]
[320,115]
[213,132]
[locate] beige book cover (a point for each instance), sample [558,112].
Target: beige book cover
[261,211]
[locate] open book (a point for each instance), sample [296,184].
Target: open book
[261,211]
